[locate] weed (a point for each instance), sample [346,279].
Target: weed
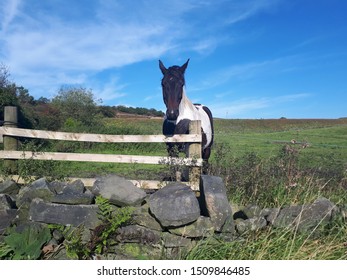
[274,181]
[74,245]
[29,167]
[111,219]
[24,245]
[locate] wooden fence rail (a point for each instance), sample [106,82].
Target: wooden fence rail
[10,153]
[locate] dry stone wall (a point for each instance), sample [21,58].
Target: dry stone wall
[164,223]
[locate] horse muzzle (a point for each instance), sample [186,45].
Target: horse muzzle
[172,115]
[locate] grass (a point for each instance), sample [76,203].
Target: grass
[277,244]
[322,138]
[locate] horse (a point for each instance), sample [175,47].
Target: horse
[181,111]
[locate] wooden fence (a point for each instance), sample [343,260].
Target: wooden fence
[10,154]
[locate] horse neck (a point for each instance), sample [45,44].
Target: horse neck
[186,107]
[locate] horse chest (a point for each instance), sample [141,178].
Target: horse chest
[197,114]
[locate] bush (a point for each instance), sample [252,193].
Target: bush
[76,103]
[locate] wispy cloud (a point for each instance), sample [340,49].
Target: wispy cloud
[110,90]
[246,71]
[254,107]
[8,11]
[242,10]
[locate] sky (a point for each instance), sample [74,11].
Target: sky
[248,58]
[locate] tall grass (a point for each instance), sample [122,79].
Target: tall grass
[328,243]
[280,179]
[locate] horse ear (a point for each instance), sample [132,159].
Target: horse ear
[184,66]
[162,67]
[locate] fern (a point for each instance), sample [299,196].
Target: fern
[111,219]
[6,251]
[75,248]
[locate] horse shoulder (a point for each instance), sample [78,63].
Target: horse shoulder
[206,123]
[182,127]
[205,116]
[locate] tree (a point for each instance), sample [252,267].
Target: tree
[8,95]
[76,103]
[4,75]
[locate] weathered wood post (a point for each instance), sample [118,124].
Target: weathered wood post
[10,143]
[195,153]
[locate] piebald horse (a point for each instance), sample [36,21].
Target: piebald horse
[180,110]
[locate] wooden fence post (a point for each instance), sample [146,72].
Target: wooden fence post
[10,143]
[195,153]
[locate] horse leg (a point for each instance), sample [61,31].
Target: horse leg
[205,156]
[169,130]
[182,127]
[172,149]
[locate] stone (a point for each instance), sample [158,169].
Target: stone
[215,201]
[306,217]
[73,199]
[229,226]
[75,215]
[9,187]
[6,218]
[135,251]
[118,191]
[38,189]
[71,193]
[252,211]
[287,216]
[321,211]
[174,205]
[6,202]
[58,236]
[40,184]
[270,214]
[137,234]
[142,217]
[251,224]
[202,227]
[57,186]
[174,241]
[76,186]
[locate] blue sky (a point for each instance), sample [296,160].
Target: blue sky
[248,58]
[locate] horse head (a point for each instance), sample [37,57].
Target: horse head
[172,85]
